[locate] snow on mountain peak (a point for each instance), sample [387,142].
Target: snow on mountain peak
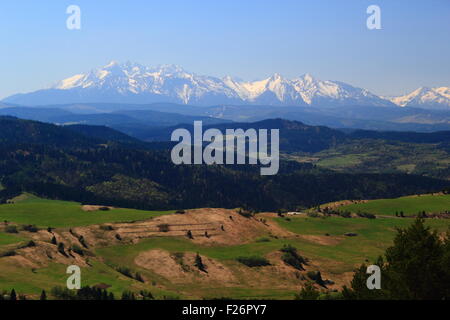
[433,98]
[132,82]
[111,64]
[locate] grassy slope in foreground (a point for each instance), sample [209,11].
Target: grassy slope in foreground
[409,205]
[65,214]
[6,238]
[374,236]
[338,256]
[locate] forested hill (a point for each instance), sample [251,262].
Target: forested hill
[296,136]
[18,131]
[59,163]
[412,137]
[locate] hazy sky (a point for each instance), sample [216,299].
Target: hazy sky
[249,39]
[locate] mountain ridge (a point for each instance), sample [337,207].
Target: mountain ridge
[134,83]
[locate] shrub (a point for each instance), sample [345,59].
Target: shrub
[139,277]
[345,214]
[82,241]
[308,292]
[317,277]
[30,228]
[75,248]
[180,212]
[178,257]
[163,227]
[9,253]
[128,295]
[313,215]
[11,229]
[366,215]
[254,261]
[245,213]
[291,257]
[106,228]
[85,293]
[199,263]
[146,295]
[61,249]
[331,296]
[29,244]
[125,271]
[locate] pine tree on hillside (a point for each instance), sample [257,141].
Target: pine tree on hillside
[199,263]
[416,267]
[13,295]
[308,292]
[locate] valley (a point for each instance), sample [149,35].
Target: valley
[224,159]
[140,226]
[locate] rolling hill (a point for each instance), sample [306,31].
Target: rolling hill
[59,163]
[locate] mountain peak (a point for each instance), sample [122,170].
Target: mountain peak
[131,82]
[308,77]
[433,98]
[276,76]
[112,63]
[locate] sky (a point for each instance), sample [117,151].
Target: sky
[247,39]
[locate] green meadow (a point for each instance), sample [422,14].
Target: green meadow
[65,214]
[374,236]
[336,254]
[6,238]
[411,205]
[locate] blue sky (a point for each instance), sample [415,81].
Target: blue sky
[249,39]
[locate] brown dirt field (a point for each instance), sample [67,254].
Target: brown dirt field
[44,253]
[165,264]
[236,230]
[233,274]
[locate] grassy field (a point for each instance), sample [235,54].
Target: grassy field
[64,214]
[339,255]
[409,205]
[381,156]
[374,236]
[6,238]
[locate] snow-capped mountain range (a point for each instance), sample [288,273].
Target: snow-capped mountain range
[134,83]
[430,98]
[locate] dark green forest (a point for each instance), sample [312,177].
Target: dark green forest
[103,167]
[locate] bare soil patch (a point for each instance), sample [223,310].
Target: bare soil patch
[182,269]
[89,207]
